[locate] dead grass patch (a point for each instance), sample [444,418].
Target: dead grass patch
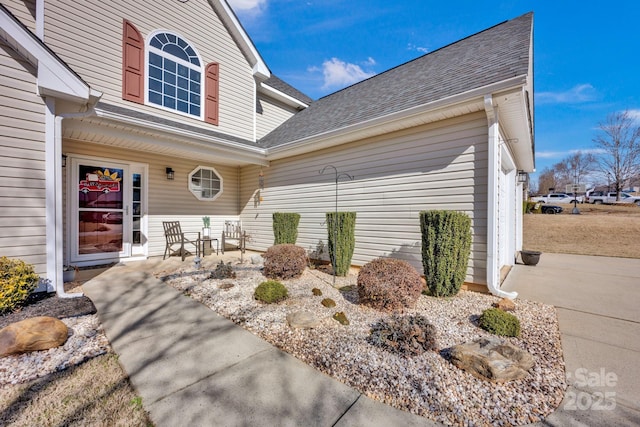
[97,392]
[599,230]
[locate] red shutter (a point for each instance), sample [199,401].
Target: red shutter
[211,93]
[132,63]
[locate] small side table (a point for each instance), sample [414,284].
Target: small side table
[209,240]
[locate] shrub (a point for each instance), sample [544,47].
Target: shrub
[285,227]
[271,291]
[328,302]
[407,335]
[17,282]
[342,240]
[223,271]
[499,322]
[284,261]
[446,245]
[388,284]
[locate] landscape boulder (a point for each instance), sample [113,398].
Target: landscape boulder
[302,320]
[492,359]
[36,333]
[505,304]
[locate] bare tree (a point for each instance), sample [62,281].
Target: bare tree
[575,168]
[547,180]
[619,139]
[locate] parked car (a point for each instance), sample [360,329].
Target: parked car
[550,209]
[599,197]
[557,198]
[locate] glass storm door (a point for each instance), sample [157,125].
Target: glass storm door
[101,223]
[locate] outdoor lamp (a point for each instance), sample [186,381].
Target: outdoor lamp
[170,174]
[522,176]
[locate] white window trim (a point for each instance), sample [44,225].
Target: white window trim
[148,48]
[199,196]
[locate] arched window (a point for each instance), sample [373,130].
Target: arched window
[174,74]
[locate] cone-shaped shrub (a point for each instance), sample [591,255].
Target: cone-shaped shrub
[446,245]
[342,244]
[285,227]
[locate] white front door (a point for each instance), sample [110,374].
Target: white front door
[107,210]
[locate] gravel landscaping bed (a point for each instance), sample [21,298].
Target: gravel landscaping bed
[427,385]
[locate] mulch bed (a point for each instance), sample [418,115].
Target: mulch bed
[48,304]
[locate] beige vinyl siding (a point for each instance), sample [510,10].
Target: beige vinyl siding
[24,10]
[89,39]
[170,200]
[438,166]
[22,163]
[271,114]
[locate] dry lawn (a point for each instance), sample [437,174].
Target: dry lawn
[96,393]
[599,230]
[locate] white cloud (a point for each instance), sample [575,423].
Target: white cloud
[338,73]
[246,5]
[562,154]
[576,95]
[420,49]
[634,115]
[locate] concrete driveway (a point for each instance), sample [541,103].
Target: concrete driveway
[597,300]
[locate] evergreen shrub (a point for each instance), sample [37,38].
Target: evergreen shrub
[446,245]
[271,291]
[285,227]
[342,244]
[499,322]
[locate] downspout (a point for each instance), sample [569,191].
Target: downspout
[54,204]
[493,269]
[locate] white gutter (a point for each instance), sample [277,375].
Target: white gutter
[55,238]
[493,268]
[281,96]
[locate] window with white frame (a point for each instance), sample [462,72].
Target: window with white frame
[174,74]
[205,183]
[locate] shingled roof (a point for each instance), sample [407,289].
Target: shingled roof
[491,56]
[286,88]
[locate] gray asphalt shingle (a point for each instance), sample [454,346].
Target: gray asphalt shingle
[493,55]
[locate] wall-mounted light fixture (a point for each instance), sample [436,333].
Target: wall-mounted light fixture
[64,160]
[170,174]
[523,176]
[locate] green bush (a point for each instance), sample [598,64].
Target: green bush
[285,227]
[388,284]
[343,242]
[271,291]
[407,335]
[499,322]
[17,282]
[446,245]
[531,207]
[284,261]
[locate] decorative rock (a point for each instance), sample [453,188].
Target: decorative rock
[256,259]
[317,292]
[492,359]
[505,304]
[36,333]
[302,320]
[328,302]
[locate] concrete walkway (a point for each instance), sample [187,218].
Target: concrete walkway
[598,305]
[193,367]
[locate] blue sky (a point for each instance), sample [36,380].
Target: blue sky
[586,57]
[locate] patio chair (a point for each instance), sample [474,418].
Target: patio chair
[174,236]
[234,235]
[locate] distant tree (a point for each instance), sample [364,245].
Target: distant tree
[619,139]
[575,168]
[546,180]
